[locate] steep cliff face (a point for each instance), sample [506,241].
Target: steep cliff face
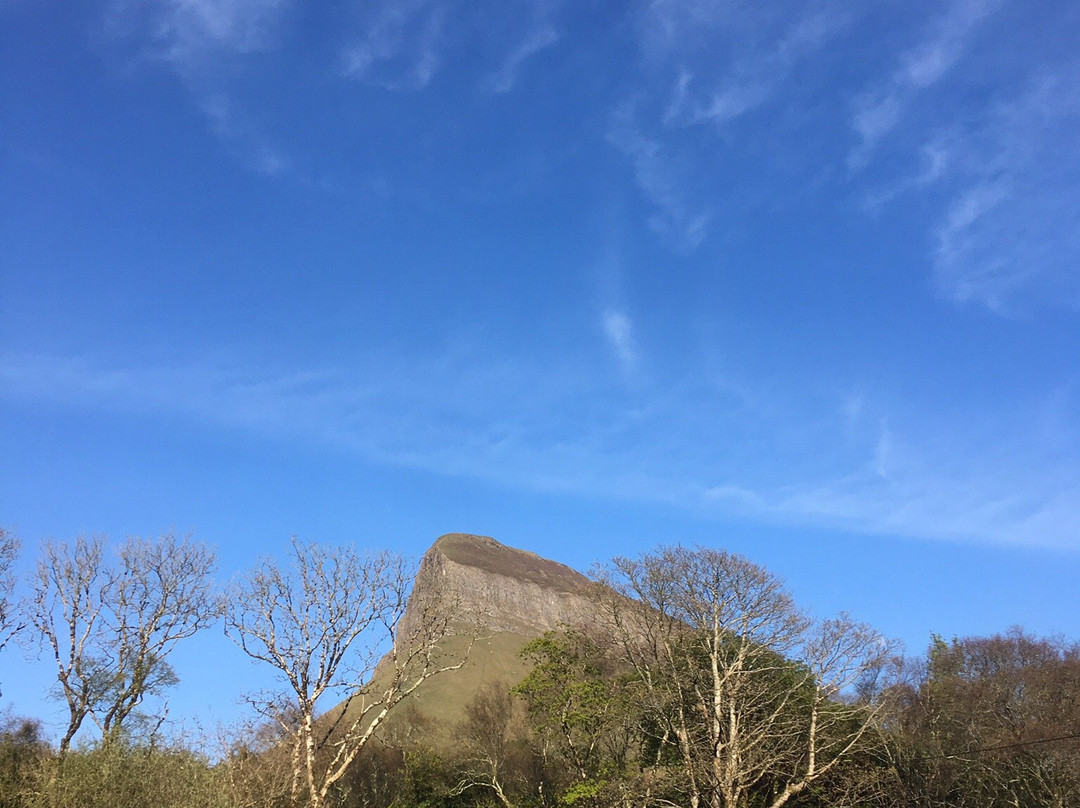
[504,589]
[501,598]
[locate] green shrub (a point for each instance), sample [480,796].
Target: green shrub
[122,775]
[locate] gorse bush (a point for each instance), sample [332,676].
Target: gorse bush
[123,775]
[22,753]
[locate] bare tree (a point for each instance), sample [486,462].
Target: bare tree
[990,721]
[9,612]
[111,626]
[737,685]
[10,618]
[161,593]
[488,736]
[67,612]
[322,623]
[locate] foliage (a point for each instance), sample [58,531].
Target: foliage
[700,685]
[498,756]
[738,688]
[22,751]
[425,780]
[124,775]
[254,765]
[994,721]
[578,704]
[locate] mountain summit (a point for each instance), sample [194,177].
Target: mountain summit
[507,597]
[503,588]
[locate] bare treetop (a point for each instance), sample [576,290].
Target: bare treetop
[734,677]
[160,594]
[306,619]
[712,588]
[11,621]
[110,627]
[322,623]
[9,612]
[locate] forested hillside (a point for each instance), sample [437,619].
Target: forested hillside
[488,676]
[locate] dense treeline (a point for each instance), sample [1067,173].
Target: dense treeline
[699,684]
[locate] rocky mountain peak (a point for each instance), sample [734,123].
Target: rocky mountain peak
[512,596]
[505,588]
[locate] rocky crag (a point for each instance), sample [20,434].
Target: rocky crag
[502,588]
[501,598]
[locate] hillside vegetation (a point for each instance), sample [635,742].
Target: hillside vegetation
[488,676]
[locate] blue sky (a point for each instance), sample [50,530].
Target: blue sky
[800,280]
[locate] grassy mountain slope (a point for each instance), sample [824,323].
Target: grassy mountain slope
[503,596]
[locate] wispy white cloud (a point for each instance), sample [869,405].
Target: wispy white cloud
[537,40]
[969,508]
[403,44]
[1011,230]
[880,110]
[400,48]
[935,159]
[925,64]
[753,77]
[235,128]
[741,499]
[705,65]
[663,181]
[193,34]
[836,461]
[1005,490]
[883,452]
[618,329]
[1002,166]
[201,41]
[873,119]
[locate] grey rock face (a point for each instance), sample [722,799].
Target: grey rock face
[501,588]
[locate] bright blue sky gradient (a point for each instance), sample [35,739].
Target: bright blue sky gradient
[800,280]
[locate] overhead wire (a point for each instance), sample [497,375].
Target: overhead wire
[1070,737]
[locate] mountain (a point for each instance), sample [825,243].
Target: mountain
[509,590]
[507,597]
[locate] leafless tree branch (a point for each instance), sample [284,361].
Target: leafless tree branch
[321,622]
[110,627]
